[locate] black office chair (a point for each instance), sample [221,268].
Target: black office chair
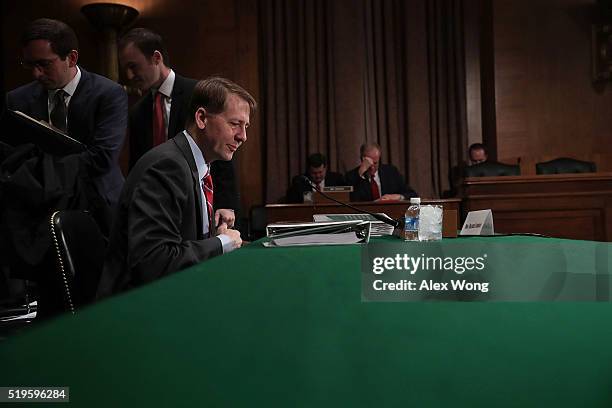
[493,169]
[565,165]
[79,248]
[257,222]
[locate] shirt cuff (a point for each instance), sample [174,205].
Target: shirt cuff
[226,243]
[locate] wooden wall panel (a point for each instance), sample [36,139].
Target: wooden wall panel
[546,104]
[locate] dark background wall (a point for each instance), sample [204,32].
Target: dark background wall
[534,56]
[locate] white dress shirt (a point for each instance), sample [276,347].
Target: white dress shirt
[203,168]
[69,88]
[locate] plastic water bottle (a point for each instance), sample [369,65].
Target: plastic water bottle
[411,227]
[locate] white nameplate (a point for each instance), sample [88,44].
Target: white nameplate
[478,223]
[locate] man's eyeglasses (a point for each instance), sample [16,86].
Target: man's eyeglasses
[40,64]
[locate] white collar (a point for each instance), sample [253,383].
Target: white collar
[197,156]
[70,87]
[166,87]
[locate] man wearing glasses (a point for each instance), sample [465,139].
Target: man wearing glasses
[86,106]
[89,108]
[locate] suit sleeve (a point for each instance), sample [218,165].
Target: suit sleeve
[295,193]
[110,124]
[136,131]
[162,202]
[361,186]
[399,184]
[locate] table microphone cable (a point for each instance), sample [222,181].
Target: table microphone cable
[382,218]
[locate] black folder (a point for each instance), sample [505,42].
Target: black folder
[19,128]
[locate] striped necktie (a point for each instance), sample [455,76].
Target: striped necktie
[207,188]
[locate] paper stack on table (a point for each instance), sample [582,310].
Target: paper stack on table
[378,228]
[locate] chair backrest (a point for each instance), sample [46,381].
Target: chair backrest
[565,165]
[79,248]
[257,222]
[492,169]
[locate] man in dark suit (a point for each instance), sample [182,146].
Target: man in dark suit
[373,181]
[162,112]
[89,107]
[316,171]
[477,153]
[164,223]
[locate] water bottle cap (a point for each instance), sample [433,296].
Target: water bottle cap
[415,200]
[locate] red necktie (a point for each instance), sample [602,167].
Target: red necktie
[207,187]
[374,187]
[159,128]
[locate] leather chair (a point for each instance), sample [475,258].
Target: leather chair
[565,165]
[492,169]
[79,249]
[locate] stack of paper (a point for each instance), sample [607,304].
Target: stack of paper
[379,228]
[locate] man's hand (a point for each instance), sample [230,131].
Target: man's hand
[226,216]
[365,165]
[395,197]
[233,234]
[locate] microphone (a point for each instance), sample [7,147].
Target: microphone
[382,218]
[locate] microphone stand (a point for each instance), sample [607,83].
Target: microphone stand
[382,218]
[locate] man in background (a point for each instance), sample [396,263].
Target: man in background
[162,111]
[373,180]
[164,221]
[317,173]
[89,108]
[477,153]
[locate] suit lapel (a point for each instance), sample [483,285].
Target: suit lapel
[382,174]
[39,104]
[78,102]
[147,120]
[175,107]
[183,146]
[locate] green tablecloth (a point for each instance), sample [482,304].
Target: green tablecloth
[287,327]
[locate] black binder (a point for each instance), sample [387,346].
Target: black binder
[19,128]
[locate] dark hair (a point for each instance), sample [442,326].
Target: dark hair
[211,94]
[146,41]
[61,37]
[316,160]
[477,146]
[368,146]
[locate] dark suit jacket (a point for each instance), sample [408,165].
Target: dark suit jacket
[299,186]
[391,182]
[141,138]
[157,228]
[97,116]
